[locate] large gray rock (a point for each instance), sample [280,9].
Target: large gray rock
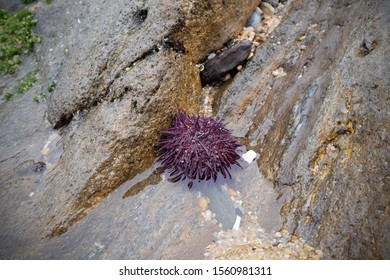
[124,74]
[322,130]
[121,36]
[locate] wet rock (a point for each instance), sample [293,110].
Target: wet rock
[321,134]
[254,20]
[209,24]
[225,62]
[138,71]
[311,137]
[182,26]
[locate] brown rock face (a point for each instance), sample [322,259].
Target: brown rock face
[115,140]
[313,103]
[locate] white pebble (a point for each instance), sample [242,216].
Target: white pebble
[208,215]
[267,9]
[249,156]
[251,35]
[279,73]
[249,28]
[211,56]
[31,194]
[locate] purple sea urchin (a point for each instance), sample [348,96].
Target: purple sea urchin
[197,148]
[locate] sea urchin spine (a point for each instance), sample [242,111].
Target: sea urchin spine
[197,148]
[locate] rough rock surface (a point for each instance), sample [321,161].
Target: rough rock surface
[312,103]
[322,130]
[126,91]
[228,60]
[124,35]
[121,73]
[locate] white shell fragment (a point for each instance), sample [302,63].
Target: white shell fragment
[249,156]
[236,225]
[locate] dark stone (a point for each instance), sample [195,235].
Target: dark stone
[39,166]
[228,60]
[274,3]
[140,16]
[239,212]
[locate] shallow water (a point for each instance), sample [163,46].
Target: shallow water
[164,220]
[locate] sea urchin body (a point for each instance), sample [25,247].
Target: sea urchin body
[197,148]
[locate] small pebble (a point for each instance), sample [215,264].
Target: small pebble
[274,3]
[237,203]
[208,215]
[251,35]
[227,77]
[267,9]
[254,20]
[302,38]
[249,28]
[97,247]
[232,192]
[203,203]
[278,234]
[315,257]
[39,166]
[263,37]
[319,253]
[279,73]
[45,152]
[211,56]
[31,194]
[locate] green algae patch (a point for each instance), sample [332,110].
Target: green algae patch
[16,38]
